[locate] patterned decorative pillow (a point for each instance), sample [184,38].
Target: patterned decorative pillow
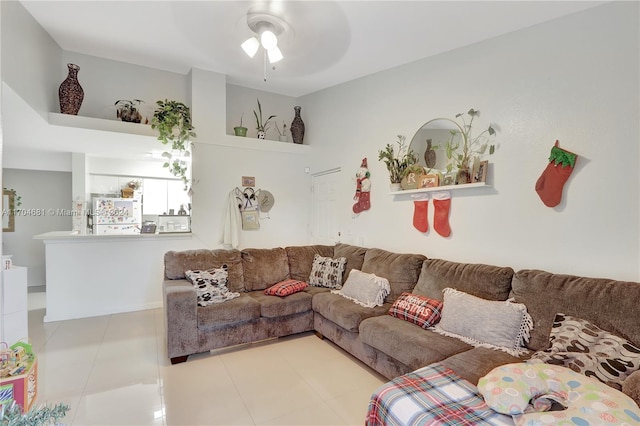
[285,288]
[501,325]
[587,349]
[530,393]
[420,310]
[365,289]
[327,272]
[211,285]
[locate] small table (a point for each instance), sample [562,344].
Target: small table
[432,395]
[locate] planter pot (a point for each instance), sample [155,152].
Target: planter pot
[240,131]
[395,187]
[463,176]
[284,138]
[261,134]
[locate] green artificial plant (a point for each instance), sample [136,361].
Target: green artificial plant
[260,125]
[172,119]
[461,152]
[11,415]
[127,110]
[397,160]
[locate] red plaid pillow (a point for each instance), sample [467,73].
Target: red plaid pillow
[285,288]
[417,309]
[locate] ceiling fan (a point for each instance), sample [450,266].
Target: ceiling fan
[267,27]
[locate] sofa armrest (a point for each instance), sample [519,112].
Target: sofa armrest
[180,317]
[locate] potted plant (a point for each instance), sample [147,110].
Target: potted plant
[397,161]
[240,130]
[461,152]
[127,110]
[283,133]
[261,126]
[172,119]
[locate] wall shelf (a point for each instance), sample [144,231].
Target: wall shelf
[442,188]
[91,123]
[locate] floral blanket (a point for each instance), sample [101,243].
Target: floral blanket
[432,395]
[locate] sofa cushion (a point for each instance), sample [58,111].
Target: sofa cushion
[177,262]
[485,281]
[240,309]
[312,290]
[589,350]
[264,267]
[402,270]
[419,310]
[408,343]
[327,272]
[353,254]
[301,259]
[285,288]
[366,290]
[608,304]
[471,365]
[344,312]
[501,325]
[274,307]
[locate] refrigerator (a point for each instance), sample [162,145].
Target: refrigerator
[116,216]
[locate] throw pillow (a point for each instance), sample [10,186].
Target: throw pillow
[327,272]
[285,288]
[587,349]
[420,310]
[366,290]
[211,285]
[501,325]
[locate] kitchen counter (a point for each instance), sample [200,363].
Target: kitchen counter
[92,275]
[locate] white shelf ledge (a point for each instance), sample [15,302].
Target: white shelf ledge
[91,123]
[442,188]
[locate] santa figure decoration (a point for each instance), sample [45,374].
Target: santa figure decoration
[363,188]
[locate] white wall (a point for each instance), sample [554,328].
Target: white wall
[105,81]
[43,193]
[574,79]
[35,57]
[241,100]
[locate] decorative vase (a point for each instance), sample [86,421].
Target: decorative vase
[297,127]
[70,92]
[240,131]
[430,155]
[261,134]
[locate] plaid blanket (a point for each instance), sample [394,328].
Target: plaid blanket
[432,395]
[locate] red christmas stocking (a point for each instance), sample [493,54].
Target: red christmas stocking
[551,183]
[442,205]
[420,208]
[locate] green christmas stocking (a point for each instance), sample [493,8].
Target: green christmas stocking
[551,183]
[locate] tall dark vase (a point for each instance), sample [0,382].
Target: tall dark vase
[70,92]
[297,127]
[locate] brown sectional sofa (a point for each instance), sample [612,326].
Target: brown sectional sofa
[387,344]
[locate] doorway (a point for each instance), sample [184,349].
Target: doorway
[325,228]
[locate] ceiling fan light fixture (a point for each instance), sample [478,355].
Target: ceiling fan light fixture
[274,55]
[268,40]
[250,46]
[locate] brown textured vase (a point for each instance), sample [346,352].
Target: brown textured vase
[70,92]
[297,127]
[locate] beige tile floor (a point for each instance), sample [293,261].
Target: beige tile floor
[113,370]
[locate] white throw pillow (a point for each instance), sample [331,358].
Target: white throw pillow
[365,289]
[502,325]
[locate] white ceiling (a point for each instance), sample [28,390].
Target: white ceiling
[330,42]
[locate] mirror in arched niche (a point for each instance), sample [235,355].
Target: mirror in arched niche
[430,141]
